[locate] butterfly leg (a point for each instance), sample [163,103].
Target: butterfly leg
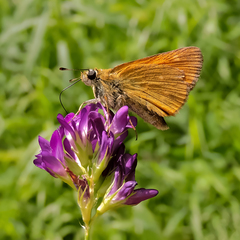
[95,100]
[105,101]
[130,121]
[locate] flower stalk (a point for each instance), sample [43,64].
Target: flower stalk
[87,152]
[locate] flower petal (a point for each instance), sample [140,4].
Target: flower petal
[69,117]
[133,120]
[141,195]
[106,145]
[113,163]
[68,149]
[108,114]
[117,181]
[125,191]
[83,126]
[119,140]
[91,107]
[53,164]
[120,120]
[44,144]
[39,163]
[130,163]
[98,127]
[66,126]
[56,145]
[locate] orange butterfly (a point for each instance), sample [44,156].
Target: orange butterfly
[153,87]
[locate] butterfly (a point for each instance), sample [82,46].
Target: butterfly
[153,87]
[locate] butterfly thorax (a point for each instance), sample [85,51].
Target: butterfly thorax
[109,90]
[105,87]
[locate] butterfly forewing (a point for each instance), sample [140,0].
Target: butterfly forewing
[188,59]
[161,88]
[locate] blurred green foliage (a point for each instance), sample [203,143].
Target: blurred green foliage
[195,165]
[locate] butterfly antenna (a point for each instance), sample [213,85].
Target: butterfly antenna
[68,69]
[60,95]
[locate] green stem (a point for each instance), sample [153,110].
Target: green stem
[90,204]
[87,228]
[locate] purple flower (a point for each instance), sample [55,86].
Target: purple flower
[83,141]
[122,188]
[51,157]
[87,152]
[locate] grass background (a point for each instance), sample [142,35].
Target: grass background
[195,165]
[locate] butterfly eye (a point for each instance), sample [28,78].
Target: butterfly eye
[91,74]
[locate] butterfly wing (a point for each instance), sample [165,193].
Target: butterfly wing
[188,59]
[162,89]
[156,86]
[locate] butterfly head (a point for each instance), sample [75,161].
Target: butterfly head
[89,76]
